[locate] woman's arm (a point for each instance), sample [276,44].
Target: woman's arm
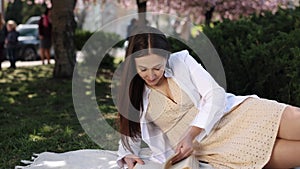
[131,160]
[212,102]
[125,156]
[185,146]
[211,106]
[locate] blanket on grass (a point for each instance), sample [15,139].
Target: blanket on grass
[81,159]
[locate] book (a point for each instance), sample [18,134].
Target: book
[188,163]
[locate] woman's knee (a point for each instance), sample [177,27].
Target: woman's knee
[290,124]
[291,113]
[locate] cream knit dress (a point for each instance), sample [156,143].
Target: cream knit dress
[243,138]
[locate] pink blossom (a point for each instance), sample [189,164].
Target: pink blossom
[231,9]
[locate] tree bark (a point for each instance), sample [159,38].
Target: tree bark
[142,9]
[209,15]
[63,31]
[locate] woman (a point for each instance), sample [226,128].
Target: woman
[45,28]
[175,106]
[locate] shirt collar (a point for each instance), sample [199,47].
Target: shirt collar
[168,72]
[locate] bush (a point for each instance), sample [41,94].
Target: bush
[101,42]
[273,24]
[272,69]
[260,54]
[231,39]
[82,36]
[178,45]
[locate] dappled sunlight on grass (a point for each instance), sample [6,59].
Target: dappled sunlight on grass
[50,132]
[25,74]
[47,128]
[30,96]
[35,138]
[37,115]
[88,93]
[68,131]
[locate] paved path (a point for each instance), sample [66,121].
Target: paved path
[6,63]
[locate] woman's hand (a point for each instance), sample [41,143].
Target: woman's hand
[185,147]
[131,160]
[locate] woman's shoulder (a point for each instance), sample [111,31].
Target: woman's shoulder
[179,55]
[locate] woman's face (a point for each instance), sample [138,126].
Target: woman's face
[151,68]
[9,27]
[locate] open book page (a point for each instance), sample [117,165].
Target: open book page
[189,163]
[148,165]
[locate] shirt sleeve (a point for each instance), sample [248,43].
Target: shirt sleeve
[123,151]
[212,102]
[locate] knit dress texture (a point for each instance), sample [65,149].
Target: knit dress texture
[243,138]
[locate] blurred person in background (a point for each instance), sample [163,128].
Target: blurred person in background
[133,24]
[11,42]
[45,28]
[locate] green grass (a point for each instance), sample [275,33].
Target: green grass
[37,114]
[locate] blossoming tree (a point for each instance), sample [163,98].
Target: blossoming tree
[206,10]
[197,10]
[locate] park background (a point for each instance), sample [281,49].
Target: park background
[259,49]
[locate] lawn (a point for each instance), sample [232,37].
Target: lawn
[37,114]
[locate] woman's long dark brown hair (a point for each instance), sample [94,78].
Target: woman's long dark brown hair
[143,42]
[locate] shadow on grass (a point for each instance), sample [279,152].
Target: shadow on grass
[37,115]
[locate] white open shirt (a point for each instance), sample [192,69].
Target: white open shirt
[208,97]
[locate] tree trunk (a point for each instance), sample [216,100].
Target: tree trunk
[63,32]
[142,9]
[209,15]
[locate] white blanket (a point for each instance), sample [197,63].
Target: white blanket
[81,159]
